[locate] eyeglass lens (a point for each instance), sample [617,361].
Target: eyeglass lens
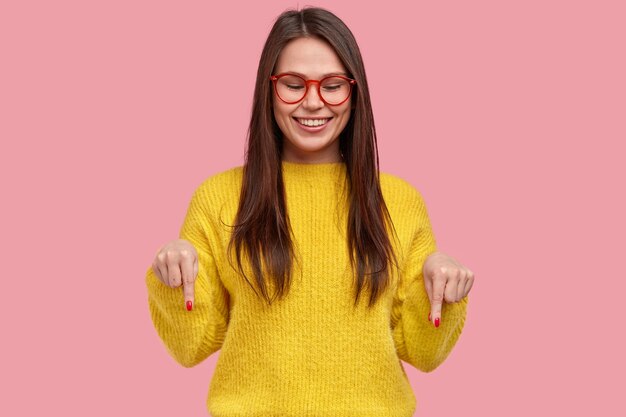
[334,90]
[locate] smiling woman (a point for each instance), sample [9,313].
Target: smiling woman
[312,271]
[311,119]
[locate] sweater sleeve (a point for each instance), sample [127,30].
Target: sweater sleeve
[191,336]
[417,340]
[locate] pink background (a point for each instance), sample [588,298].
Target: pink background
[509,117]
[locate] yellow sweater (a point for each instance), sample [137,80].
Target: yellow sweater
[312,353]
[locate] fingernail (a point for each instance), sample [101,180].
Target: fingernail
[189,306]
[437,322]
[429,317]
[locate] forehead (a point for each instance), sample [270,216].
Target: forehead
[312,57]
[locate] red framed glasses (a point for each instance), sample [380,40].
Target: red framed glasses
[333,90]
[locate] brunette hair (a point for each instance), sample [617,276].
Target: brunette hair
[262,225]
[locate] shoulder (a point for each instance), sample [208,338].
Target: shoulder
[406,205]
[223,181]
[219,188]
[398,191]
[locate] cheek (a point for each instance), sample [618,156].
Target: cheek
[282,118]
[345,116]
[281,114]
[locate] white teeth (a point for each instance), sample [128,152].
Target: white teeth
[312,122]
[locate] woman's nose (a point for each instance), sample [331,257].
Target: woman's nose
[312,99]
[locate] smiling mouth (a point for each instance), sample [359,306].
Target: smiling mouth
[313,122]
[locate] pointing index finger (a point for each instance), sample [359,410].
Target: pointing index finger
[439,286]
[189,269]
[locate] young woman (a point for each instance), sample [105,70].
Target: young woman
[312,272]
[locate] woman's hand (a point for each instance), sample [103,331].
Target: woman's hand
[445,279]
[176,264]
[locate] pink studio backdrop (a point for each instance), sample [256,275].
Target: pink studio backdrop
[509,117]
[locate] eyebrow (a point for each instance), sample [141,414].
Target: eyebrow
[325,75]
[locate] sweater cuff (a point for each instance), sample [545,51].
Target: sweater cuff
[418,341]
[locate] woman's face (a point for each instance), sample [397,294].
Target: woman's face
[313,59]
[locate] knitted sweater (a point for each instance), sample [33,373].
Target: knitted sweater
[312,353]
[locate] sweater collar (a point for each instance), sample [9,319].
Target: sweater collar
[314,173]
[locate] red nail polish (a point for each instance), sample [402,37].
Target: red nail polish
[189,306]
[437,322]
[429,317]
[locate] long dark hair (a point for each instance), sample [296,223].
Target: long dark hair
[262,225]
